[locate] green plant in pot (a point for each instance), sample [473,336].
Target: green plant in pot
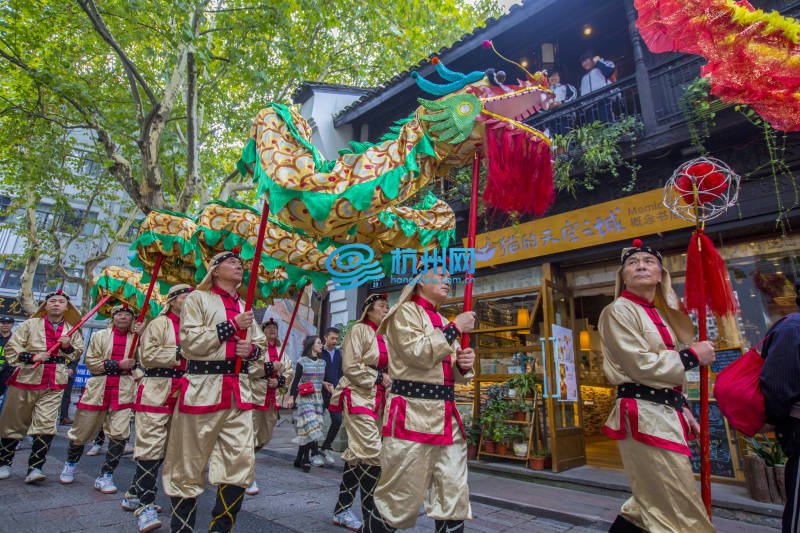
[472,428]
[525,384]
[519,439]
[499,436]
[518,410]
[540,460]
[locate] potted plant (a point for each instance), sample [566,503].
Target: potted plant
[499,436]
[540,460]
[525,384]
[519,441]
[764,470]
[548,459]
[518,410]
[473,430]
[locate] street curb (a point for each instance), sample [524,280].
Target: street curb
[534,476]
[541,512]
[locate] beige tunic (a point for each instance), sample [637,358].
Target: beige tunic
[30,338]
[158,349]
[265,398]
[202,312]
[356,391]
[106,392]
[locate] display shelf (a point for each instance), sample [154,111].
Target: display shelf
[517,457]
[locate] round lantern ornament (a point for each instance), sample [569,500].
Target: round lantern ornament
[701,189]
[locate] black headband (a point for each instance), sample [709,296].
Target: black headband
[227,255]
[59,292]
[374,298]
[122,309]
[639,247]
[179,292]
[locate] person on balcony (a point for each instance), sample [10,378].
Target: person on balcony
[599,72]
[564,93]
[650,420]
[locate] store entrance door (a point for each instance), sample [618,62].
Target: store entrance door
[563,388]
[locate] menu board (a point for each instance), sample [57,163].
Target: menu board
[720,452]
[724,358]
[564,351]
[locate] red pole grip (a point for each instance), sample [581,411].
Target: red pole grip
[473,223]
[143,311]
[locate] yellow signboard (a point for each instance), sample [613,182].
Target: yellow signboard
[621,219]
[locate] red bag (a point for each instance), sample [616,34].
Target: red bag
[738,392]
[307,389]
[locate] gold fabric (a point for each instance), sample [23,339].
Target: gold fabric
[417,352]
[259,386]
[30,412]
[152,430]
[263,426]
[359,351]
[363,439]
[634,352]
[202,311]
[157,350]
[175,266]
[131,291]
[100,347]
[116,425]
[222,439]
[30,337]
[413,474]
[669,504]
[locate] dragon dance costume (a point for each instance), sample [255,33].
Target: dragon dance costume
[34,393]
[160,356]
[361,397]
[105,403]
[212,423]
[640,357]
[424,454]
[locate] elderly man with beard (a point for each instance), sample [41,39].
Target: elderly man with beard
[35,387]
[424,450]
[107,398]
[213,422]
[650,420]
[265,379]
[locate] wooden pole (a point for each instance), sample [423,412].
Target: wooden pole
[705,448]
[77,326]
[473,222]
[291,320]
[251,286]
[143,311]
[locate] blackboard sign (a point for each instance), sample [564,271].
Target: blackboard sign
[720,451]
[724,358]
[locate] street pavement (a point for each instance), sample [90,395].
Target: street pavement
[293,501]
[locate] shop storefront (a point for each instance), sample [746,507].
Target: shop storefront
[540,319]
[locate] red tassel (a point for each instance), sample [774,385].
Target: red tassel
[520,172]
[707,282]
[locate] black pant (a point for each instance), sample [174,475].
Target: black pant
[66,399]
[336,423]
[5,374]
[791,513]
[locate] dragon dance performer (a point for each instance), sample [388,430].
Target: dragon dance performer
[265,380]
[34,394]
[212,422]
[160,355]
[107,399]
[423,436]
[360,396]
[651,420]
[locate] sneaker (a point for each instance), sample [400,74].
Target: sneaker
[252,490]
[128,450]
[148,519]
[347,520]
[328,456]
[317,461]
[130,502]
[94,450]
[5,472]
[105,484]
[68,474]
[34,475]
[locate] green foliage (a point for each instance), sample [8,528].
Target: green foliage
[597,148]
[697,109]
[525,384]
[766,448]
[517,433]
[473,429]
[542,453]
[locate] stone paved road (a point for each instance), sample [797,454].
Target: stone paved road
[290,501]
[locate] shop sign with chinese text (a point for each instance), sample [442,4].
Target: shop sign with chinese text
[626,218]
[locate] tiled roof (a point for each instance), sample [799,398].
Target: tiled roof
[303,92]
[517,11]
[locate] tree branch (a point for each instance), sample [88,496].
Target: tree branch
[99,25]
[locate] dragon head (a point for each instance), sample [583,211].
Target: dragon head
[479,112]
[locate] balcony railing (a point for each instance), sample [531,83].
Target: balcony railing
[668,83]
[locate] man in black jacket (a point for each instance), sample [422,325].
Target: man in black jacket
[780,384]
[6,325]
[333,373]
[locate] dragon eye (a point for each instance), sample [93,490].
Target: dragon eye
[465,109]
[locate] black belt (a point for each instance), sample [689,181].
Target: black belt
[224,366]
[163,373]
[58,360]
[425,391]
[112,373]
[669,397]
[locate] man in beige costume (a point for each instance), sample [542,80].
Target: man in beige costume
[213,423]
[424,454]
[265,379]
[34,393]
[361,396]
[107,398]
[650,419]
[160,356]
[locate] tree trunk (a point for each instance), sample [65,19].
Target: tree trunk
[25,294]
